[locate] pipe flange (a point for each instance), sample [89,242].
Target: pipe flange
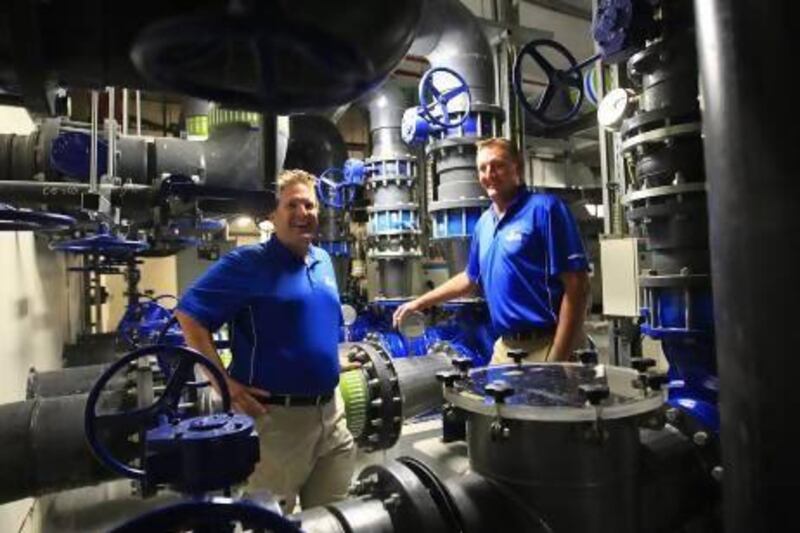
[400,167]
[665,116]
[412,504]
[385,255]
[377,159]
[665,191]
[380,208]
[393,241]
[483,121]
[463,144]
[671,281]
[460,203]
[670,208]
[391,179]
[384,413]
[661,135]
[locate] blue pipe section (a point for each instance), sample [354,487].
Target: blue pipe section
[69,154]
[689,349]
[466,327]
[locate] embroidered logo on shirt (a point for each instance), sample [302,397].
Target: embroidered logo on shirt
[514,236]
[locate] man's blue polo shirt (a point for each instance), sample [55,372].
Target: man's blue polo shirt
[517,260]
[285,316]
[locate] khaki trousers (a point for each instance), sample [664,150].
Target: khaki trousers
[538,349]
[306,451]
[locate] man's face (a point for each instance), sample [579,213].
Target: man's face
[498,173]
[295,217]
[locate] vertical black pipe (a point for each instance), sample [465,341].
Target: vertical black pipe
[746,50]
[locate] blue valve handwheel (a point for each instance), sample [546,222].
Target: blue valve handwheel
[333,189]
[13,219]
[559,82]
[103,243]
[432,97]
[147,417]
[214,514]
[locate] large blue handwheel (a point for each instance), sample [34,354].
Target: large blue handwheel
[148,417]
[559,82]
[432,98]
[13,219]
[102,243]
[329,188]
[210,515]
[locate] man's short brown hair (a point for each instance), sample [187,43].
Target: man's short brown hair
[287,178]
[504,144]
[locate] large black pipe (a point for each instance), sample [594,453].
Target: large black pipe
[43,448]
[751,162]
[283,56]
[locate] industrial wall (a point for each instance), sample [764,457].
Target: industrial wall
[39,313]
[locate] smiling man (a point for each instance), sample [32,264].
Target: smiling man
[527,255]
[282,303]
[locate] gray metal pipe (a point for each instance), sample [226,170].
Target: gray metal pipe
[419,388]
[66,194]
[451,36]
[229,158]
[68,381]
[386,106]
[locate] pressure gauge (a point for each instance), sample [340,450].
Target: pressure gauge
[614,107]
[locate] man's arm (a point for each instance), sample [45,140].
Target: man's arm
[570,315]
[198,337]
[456,287]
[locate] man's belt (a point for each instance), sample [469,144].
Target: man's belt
[529,334]
[291,400]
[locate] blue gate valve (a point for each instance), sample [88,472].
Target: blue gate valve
[142,322]
[435,112]
[176,450]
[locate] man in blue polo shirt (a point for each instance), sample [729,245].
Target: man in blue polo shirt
[282,303]
[527,255]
